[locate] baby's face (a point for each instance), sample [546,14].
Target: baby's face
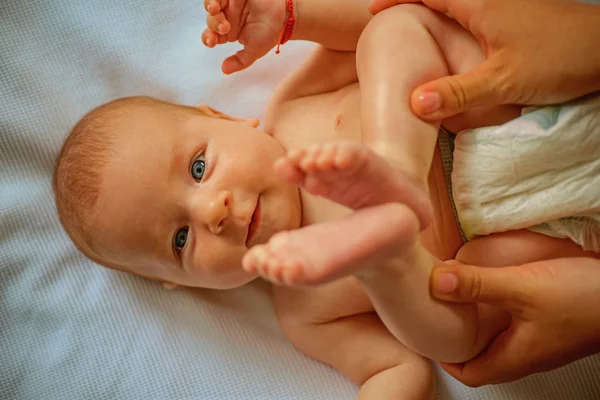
[184,197]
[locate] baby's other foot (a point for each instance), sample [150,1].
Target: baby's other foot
[324,252]
[351,174]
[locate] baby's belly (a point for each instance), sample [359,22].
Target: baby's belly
[336,116]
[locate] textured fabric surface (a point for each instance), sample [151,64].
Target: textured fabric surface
[72,330]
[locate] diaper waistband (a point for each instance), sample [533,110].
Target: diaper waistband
[446,145]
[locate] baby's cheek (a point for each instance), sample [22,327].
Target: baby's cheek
[219,260]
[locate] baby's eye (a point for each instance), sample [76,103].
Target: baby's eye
[197,169]
[180,238]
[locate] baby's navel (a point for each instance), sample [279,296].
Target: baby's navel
[338,121]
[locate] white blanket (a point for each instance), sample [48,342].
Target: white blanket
[72,330]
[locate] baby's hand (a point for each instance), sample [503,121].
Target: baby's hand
[256,24]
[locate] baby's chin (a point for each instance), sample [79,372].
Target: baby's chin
[221,284]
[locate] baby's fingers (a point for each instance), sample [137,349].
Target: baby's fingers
[239,61]
[211,39]
[214,6]
[218,23]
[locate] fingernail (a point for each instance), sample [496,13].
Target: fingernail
[429,102]
[445,283]
[220,28]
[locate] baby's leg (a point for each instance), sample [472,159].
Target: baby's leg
[352,175]
[395,54]
[377,243]
[335,324]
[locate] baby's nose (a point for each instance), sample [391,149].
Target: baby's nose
[216,209]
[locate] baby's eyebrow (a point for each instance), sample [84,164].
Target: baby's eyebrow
[178,162]
[160,239]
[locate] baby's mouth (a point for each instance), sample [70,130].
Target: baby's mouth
[254,222]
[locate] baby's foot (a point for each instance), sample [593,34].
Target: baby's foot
[323,252]
[381,227]
[353,175]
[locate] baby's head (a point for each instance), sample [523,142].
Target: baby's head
[172,193]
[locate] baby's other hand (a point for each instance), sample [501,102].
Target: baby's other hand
[256,24]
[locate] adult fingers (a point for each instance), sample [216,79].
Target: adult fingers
[470,284]
[451,95]
[502,362]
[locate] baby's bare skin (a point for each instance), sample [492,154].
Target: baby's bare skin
[354,176]
[295,117]
[201,191]
[321,102]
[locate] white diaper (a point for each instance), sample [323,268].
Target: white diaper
[540,171]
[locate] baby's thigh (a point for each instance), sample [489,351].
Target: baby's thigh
[517,248]
[511,249]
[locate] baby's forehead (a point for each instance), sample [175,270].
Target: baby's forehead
[143,126]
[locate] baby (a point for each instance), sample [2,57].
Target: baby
[180,194]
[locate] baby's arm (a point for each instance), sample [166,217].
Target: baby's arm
[257,24]
[335,24]
[335,324]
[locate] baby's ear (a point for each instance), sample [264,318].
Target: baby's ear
[169,285]
[211,112]
[253,122]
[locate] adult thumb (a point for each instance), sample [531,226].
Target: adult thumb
[469,284]
[451,95]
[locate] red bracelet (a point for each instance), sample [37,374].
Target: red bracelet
[288,27]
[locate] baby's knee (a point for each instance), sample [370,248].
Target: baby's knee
[395,19]
[386,28]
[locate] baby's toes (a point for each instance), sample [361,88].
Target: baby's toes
[289,171]
[309,161]
[326,158]
[345,156]
[255,259]
[275,270]
[295,155]
[293,273]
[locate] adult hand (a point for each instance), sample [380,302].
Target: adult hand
[537,52]
[555,315]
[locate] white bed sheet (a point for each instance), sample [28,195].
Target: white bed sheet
[72,330]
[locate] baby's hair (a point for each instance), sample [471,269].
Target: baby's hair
[80,165]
